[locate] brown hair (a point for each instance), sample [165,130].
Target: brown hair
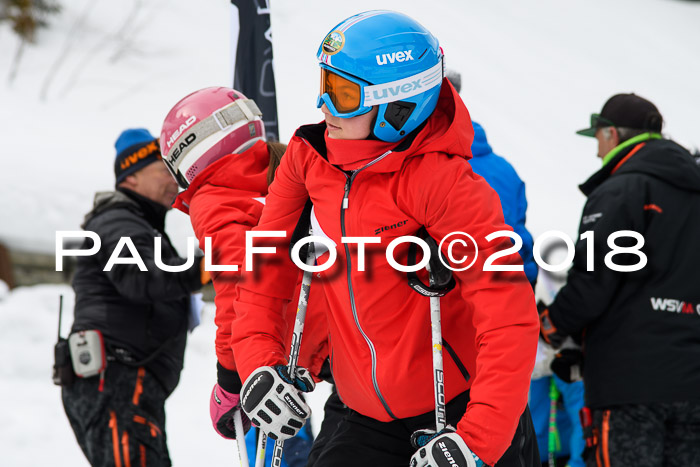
[276,151]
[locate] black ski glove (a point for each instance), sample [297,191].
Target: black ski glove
[568,365]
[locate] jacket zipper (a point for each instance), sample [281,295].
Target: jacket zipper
[370,344]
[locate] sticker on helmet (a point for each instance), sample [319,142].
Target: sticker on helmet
[334,42]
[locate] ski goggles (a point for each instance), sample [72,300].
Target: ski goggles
[239,122]
[347,96]
[342,93]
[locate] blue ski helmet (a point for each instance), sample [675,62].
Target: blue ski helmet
[386,59]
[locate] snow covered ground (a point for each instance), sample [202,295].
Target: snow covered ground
[532,74]
[34,430]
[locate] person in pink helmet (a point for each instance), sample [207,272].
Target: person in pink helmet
[214,145]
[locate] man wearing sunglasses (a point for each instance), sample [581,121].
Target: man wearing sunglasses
[639,328]
[390,158]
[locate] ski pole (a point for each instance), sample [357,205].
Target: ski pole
[240,438]
[441,282]
[438,374]
[296,337]
[260,452]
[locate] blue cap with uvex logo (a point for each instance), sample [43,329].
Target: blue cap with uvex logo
[136,148]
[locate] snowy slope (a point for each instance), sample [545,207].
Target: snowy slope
[532,74]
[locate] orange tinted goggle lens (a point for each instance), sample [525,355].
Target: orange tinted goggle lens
[345,94]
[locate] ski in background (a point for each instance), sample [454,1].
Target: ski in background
[251,54]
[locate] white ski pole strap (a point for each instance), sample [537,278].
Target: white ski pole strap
[239,110]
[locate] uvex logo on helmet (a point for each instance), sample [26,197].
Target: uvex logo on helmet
[394,57]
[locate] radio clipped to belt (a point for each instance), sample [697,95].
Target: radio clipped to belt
[62,368]
[81,355]
[87,351]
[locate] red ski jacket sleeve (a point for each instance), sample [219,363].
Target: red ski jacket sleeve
[267,348]
[501,304]
[224,202]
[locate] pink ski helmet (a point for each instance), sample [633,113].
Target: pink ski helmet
[205,126]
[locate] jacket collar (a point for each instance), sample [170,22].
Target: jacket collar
[614,159]
[630,142]
[154,213]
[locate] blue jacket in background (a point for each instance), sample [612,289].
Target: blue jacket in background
[511,190]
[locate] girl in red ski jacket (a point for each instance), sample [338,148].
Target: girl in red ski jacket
[226,176]
[384,168]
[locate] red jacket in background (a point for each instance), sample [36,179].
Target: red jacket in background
[225,201]
[380,339]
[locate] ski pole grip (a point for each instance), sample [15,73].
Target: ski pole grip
[441,279]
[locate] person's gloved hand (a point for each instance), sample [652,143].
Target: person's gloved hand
[272,400]
[442,449]
[568,365]
[224,403]
[548,331]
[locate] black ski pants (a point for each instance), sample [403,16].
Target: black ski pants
[124,423]
[662,434]
[333,413]
[361,440]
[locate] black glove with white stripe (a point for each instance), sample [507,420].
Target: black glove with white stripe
[272,400]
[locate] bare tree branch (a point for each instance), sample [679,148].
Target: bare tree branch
[70,40]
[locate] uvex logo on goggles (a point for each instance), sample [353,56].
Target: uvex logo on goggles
[404,88]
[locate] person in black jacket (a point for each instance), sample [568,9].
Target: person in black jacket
[118,416]
[636,303]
